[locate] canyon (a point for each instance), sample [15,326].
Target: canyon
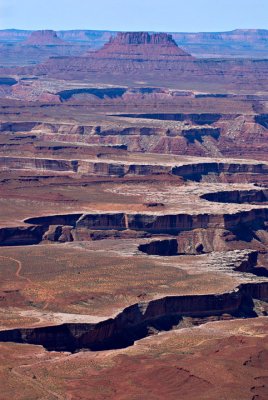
[134,215]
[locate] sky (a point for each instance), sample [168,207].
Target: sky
[135,15]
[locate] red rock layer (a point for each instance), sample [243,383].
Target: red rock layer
[142,45]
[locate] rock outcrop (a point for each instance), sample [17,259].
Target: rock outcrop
[142,46]
[59,233]
[44,38]
[21,235]
[39,164]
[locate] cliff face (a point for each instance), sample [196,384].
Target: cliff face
[181,222]
[204,134]
[132,323]
[197,233]
[160,247]
[207,240]
[195,172]
[107,221]
[262,119]
[135,321]
[200,241]
[21,236]
[128,38]
[238,196]
[221,171]
[38,163]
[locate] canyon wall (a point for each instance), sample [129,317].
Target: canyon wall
[197,233]
[220,171]
[208,135]
[135,321]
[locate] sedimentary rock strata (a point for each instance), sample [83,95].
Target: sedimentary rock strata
[209,135]
[135,321]
[134,219]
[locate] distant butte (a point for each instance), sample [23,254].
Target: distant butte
[137,45]
[43,38]
[127,38]
[126,53]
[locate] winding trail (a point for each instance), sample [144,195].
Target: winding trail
[34,383]
[19,269]
[18,274]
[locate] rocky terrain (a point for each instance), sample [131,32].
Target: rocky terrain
[156,59]
[217,135]
[134,223]
[201,44]
[131,57]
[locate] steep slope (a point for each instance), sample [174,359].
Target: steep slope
[141,46]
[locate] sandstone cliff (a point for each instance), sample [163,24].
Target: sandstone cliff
[136,321]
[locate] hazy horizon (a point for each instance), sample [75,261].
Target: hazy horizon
[116,30]
[143,15]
